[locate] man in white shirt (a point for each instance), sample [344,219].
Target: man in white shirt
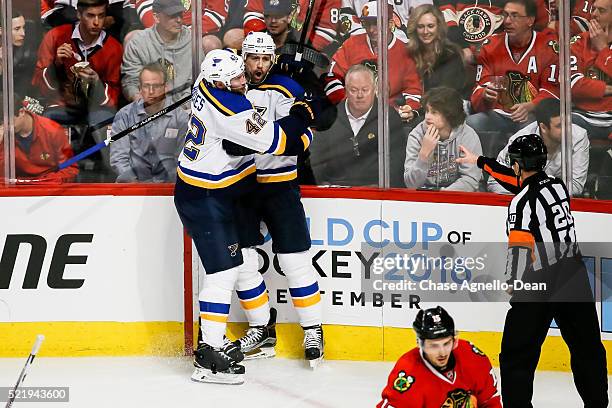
[548,127]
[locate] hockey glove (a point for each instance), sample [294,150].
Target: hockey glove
[308,110]
[290,67]
[235,149]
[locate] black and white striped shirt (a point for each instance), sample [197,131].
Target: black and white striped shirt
[540,225]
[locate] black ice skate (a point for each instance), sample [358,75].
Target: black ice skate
[216,365]
[259,341]
[313,345]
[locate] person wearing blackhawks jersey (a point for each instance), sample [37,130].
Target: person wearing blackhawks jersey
[443,371]
[322,30]
[591,73]
[405,87]
[514,73]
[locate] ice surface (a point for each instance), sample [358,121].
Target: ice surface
[164,382]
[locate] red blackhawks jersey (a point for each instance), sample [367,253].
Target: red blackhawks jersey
[58,82]
[530,78]
[474,21]
[415,383]
[214,13]
[324,19]
[591,71]
[49,147]
[403,77]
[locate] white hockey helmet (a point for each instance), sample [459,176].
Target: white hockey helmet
[258,43]
[222,66]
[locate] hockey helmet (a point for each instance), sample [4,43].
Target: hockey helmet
[222,66]
[258,43]
[434,323]
[529,151]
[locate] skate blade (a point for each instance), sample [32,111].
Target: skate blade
[260,353]
[315,363]
[207,376]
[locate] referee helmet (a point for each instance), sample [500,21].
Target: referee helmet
[529,151]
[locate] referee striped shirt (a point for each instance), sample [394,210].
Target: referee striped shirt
[540,226]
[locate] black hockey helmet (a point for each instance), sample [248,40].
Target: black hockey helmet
[434,323]
[529,151]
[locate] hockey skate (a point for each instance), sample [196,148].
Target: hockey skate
[216,365]
[259,341]
[313,345]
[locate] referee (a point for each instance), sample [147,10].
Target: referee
[542,248]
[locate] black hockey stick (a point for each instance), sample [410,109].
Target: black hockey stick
[301,50]
[114,138]
[24,371]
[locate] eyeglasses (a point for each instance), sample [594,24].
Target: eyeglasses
[151,87]
[512,16]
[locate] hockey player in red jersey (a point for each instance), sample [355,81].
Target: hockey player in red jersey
[443,371]
[322,24]
[404,81]
[591,77]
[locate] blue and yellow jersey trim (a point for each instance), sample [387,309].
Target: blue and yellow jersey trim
[286,173]
[307,139]
[279,142]
[228,103]
[285,85]
[305,296]
[215,181]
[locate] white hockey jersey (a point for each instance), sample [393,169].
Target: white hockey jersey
[216,115]
[273,99]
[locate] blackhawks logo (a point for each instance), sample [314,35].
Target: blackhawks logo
[520,90]
[477,23]
[459,398]
[554,44]
[403,383]
[477,350]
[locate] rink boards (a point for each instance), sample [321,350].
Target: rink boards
[101,271]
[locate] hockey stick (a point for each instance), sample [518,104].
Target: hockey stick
[24,371]
[114,138]
[300,48]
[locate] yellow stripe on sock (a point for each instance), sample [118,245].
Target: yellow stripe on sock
[309,301]
[214,318]
[255,303]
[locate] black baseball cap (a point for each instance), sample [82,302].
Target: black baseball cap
[278,7]
[168,7]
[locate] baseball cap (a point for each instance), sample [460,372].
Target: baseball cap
[370,10]
[278,7]
[168,7]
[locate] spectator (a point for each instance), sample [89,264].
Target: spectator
[438,61]
[433,145]
[581,14]
[351,10]
[470,22]
[40,145]
[24,56]
[120,15]
[590,80]
[233,32]
[322,24]
[214,14]
[347,153]
[404,82]
[149,154]
[167,42]
[78,70]
[548,127]
[277,17]
[514,74]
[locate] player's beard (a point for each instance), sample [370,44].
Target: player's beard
[242,90]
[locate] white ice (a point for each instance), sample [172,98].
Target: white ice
[164,382]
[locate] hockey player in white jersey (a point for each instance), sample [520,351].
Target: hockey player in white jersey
[209,185]
[277,202]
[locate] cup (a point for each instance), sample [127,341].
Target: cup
[499,83]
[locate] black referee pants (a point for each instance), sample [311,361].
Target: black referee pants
[526,327]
